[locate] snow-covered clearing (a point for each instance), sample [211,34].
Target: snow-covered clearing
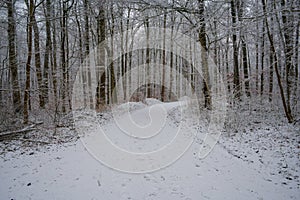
[262,165]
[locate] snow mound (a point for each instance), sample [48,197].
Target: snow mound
[128,107]
[152,101]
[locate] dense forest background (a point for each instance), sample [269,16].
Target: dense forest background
[253,43]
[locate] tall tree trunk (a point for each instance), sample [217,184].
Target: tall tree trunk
[37,59]
[192,69]
[227,64]
[81,57]
[171,54]
[64,55]
[87,52]
[204,59]
[126,58]
[262,57]
[296,60]
[112,92]
[236,77]
[240,9]
[47,53]
[271,76]
[12,55]
[286,110]
[130,51]
[147,70]
[30,7]
[271,63]
[101,30]
[54,60]
[297,52]
[256,50]
[245,66]
[164,59]
[288,50]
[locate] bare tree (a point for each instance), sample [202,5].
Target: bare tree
[47,54]
[286,110]
[64,53]
[30,18]
[12,54]
[164,59]
[37,58]
[236,77]
[87,51]
[262,57]
[101,30]
[288,50]
[240,6]
[204,61]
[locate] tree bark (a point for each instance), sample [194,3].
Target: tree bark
[47,53]
[257,50]
[30,7]
[81,58]
[262,57]
[204,59]
[87,52]
[271,75]
[37,59]
[288,50]
[240,8]
[12,55]
[286,110]
[164,59]
[245,66]
[64,55]
[101,33]
[54,60]
[236,77]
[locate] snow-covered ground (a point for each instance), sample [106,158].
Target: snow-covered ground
[261,162]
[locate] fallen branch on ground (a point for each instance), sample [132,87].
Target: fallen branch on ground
[10,134]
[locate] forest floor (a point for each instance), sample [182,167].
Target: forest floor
[257,157]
